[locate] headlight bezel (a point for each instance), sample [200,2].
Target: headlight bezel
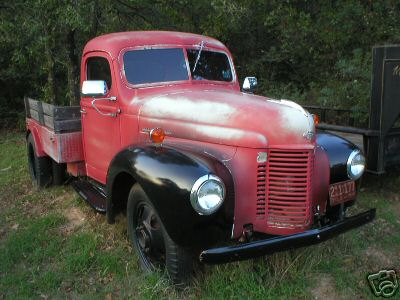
[352,156]
[194,194]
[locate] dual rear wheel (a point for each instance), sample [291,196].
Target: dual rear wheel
[43,170]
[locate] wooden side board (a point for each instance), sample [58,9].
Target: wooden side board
[59,118]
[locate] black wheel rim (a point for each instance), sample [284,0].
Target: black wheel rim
[148,237]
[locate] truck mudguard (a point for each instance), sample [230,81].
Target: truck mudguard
[167,176]
[338,150]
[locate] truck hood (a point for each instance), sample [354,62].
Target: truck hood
[227,117]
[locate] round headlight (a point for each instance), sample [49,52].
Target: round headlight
[355,165]
[207,195]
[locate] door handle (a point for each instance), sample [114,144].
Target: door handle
[83,111]
[102,113]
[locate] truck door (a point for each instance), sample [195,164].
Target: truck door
[100,117]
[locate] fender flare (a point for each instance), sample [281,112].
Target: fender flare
[167,176]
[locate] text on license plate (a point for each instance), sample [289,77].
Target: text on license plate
[342,192]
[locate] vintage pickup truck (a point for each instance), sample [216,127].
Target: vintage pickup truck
[204,171]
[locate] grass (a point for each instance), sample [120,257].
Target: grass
[52,245]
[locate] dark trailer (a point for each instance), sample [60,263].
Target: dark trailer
[381,140]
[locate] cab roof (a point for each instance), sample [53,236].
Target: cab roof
[113,43]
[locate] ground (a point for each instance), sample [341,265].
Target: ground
[52,245]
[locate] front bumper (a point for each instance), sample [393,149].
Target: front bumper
[283,243]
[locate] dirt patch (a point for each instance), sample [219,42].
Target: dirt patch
[62,198]
[325,288]
[75,217]
[3,234]
[396,208]
[379,259]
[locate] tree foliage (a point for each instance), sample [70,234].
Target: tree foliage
[315,52]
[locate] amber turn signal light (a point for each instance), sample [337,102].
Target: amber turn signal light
[157,135]
[316,119]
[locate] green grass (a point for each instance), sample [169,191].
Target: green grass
[46,253]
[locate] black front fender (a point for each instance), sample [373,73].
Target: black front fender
[167,176]
[338,150]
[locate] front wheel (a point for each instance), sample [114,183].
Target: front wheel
[155,248]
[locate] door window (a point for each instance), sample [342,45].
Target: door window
[98,68]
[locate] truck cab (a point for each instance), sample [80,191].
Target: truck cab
[169,136]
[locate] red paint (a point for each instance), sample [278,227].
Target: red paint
[321,179]
[77,169]
[34,128]
[62,147]
[213,117]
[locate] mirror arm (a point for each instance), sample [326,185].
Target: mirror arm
[113,98]
[104,99]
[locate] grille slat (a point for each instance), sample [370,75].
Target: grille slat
[261,190]
[290,164]
[283,187]
[287,203]
[288,192]
[294,154]
[286,159]
[288,208]
[285,183]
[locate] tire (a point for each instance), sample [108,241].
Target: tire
[59,173]
[39,167]
[154,247]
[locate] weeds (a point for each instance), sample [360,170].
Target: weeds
[44,254]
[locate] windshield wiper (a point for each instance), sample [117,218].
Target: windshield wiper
[198,56]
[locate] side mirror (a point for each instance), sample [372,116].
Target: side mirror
[94,88]
[249,84]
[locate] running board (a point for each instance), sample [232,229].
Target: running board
[91,194]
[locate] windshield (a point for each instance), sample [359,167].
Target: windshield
[155,65]
[148,66]
[210,65]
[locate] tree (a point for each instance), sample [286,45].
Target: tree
[308,51]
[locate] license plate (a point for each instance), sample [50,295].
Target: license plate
[342,192]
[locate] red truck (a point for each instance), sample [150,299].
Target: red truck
[205,171]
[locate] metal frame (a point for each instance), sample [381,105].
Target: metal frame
[284,243]
[381,140]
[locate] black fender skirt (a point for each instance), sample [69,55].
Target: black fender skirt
[167,176]
[338,150]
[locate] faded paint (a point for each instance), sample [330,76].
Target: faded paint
[296,121]
[61,147]
[113,43]
[211,117]
[225,117]
[220,152]
[182,108]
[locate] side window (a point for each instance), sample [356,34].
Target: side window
[97,68]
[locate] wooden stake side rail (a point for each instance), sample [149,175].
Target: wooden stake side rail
[61,119]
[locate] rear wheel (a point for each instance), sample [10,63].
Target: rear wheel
[59,173]
[155,248]
[39,167]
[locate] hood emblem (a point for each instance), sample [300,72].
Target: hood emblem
[309,135]
[262,157]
